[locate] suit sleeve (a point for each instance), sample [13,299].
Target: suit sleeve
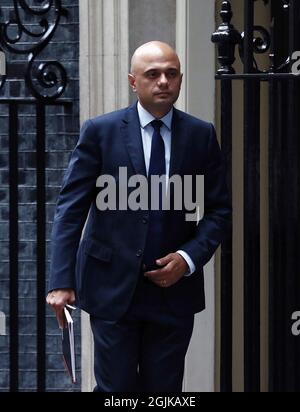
[217,209]
[76,195]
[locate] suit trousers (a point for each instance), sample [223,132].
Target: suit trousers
[144,351]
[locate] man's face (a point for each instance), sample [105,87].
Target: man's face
[156,79]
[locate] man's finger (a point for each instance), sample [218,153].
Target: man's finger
[60,318]
[72,298]
[164,260]
[52,303]
[160,274]
[154,273]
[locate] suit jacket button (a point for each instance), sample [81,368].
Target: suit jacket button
[139,253]
[145,220]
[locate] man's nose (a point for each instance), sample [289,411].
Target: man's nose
[163,79]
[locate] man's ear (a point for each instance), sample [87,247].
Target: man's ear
[131,79]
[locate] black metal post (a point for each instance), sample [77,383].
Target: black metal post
[13,248]
[41,247]
[252,236]
[226,250]
[251,212]
[248,35]
[276,234]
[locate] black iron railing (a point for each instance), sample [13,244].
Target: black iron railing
[280,40]
[46,83]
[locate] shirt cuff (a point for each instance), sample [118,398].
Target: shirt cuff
[189,261]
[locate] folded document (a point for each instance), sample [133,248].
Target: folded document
[68,343]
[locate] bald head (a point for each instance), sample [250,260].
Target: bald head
[153,50]
[155,77]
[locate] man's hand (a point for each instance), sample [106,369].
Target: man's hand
[174,267]
[57,299]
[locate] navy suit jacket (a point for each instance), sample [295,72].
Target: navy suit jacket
[103,264]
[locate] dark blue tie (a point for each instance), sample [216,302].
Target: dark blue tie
[157,166]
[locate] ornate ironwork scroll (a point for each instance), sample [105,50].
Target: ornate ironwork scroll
[45,80]
[227,37]
[261,44]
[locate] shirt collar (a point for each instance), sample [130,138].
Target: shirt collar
[146,117]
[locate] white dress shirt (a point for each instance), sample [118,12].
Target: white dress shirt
[147,131]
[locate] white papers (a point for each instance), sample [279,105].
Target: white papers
[68,343]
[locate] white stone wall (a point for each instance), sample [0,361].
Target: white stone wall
[103,88]
[195,24]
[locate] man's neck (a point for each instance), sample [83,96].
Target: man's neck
[157,113]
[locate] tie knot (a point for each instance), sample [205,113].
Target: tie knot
[156,124]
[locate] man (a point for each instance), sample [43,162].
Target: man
[139,273]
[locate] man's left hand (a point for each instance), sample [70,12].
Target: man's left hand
[173,268]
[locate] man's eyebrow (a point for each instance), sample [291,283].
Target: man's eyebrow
[158,69]
[151,70]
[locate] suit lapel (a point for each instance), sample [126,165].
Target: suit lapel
[178,143]
[131,132]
